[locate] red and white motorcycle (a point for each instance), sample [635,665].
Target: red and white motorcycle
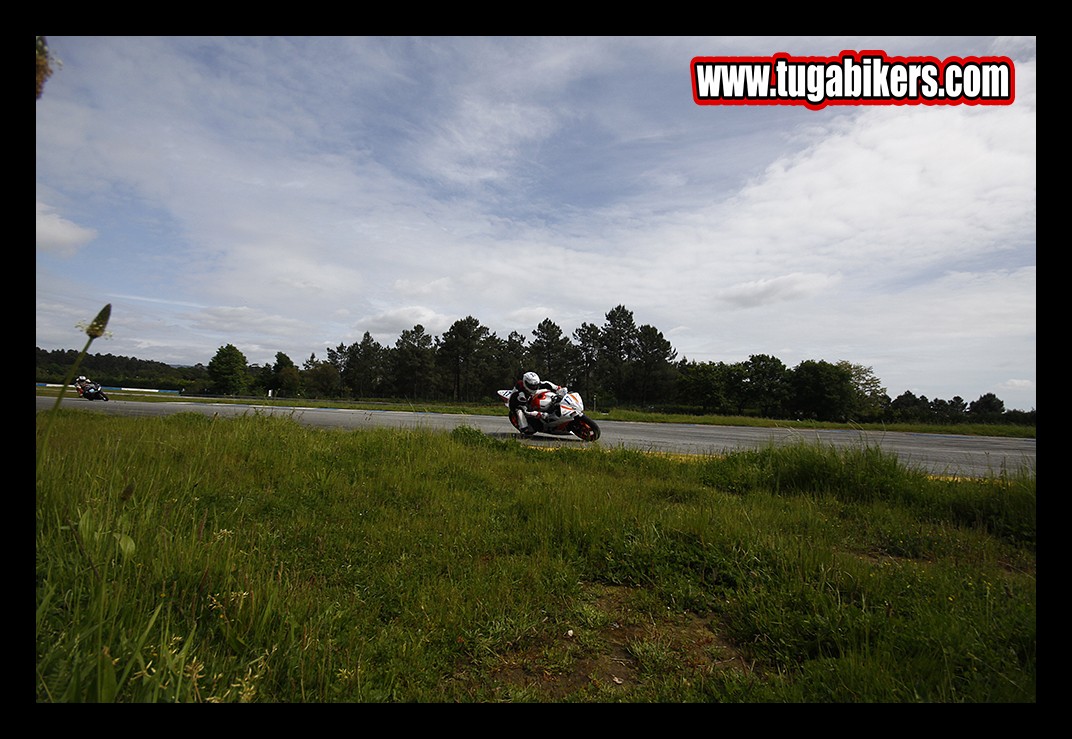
[566,416]
[91,391]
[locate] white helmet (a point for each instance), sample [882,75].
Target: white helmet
[531,381]
[81,378]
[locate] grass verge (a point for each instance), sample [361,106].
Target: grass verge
[197,559]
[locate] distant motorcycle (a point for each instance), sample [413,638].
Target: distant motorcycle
[567,415]
[92,391]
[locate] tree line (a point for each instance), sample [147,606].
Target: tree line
[616,364]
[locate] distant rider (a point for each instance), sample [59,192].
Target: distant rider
[523,391]
[81,384]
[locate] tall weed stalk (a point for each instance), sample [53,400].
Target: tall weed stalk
[94,331]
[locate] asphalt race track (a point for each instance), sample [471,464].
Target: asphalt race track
[939,454]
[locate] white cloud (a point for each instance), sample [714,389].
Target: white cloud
[59,236]
[778,289]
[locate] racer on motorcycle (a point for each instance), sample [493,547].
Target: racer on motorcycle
[523,391]
[81,384]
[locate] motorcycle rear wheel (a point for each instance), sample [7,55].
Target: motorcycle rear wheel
[585,429]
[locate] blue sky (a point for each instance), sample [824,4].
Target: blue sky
[290,194]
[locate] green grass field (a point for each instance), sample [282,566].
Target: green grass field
[192,559]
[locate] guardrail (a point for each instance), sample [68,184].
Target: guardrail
[106,387]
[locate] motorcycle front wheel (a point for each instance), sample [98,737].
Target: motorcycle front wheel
[585,429]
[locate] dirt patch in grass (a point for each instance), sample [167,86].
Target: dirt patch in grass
[613,652]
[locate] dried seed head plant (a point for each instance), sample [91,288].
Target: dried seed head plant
[96,329]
